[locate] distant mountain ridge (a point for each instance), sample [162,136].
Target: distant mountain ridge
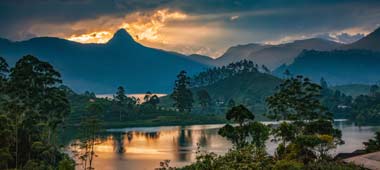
[103,67]
[338,67]
[369,42]
[354,63]
[273,56]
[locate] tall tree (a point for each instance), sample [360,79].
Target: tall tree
[35,106]
[311,129]
[91,126]
[121,101]
[182,95]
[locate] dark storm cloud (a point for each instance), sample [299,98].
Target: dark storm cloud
[254,20]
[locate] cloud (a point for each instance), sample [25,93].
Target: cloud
[342,37]
[235,17]
[176,24]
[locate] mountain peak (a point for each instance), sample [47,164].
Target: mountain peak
[369,42]
[121,36]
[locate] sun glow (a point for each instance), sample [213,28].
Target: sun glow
[93,37]
[142,27]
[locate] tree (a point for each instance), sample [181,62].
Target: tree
[297,99]
[154,101]
[310,134]
[121,100]
[373,145]
[204,99]
[33,107]
[91,126]
[36,107]
[182,95]
[239,135]
[147,96]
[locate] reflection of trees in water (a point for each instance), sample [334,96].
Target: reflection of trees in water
[118,142]
[184,145]
[203,139]
[149,136]
[129,136]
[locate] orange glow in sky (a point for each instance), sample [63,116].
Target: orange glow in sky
[141,27]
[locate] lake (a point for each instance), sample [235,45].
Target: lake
[144,147]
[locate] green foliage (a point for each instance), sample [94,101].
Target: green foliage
[373,145]
[204,99]
[288,165]
[213,75]
[297,98]
[310,133]
[248,157]
[247,131]
[33,108]
[334,101]
[182,95]
[331,165]
[66,164]
[365,109]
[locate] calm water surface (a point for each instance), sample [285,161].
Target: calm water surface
[143,148]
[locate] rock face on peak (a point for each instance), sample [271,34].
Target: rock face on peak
[101,68]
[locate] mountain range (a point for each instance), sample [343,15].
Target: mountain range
[124,62]
[273,56]
[354,63]
[101,68]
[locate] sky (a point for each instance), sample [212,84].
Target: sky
[206,27]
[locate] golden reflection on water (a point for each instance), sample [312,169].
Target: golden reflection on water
[144,148]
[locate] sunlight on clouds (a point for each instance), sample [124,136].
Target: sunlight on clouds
[94,37]
[164,29]
[147,27]
[143,27]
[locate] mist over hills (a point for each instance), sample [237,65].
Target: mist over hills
[103,67]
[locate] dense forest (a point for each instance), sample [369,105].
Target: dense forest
[33,110]
[215,74]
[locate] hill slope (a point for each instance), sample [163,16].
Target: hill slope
[369,42]
[274,55]
[103,67]
[337,67]
[250,89]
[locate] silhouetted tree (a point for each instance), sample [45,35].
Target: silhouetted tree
[121,101]
[246,127]
[182,95]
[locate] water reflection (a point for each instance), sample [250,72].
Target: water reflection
[144,148]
